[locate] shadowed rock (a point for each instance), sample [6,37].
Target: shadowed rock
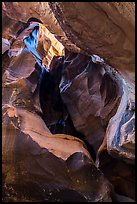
[97,100]
[37,166]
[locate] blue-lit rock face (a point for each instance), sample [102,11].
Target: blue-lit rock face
[37,165]
[31,43]
[68,129]
[108,125]
[102,91]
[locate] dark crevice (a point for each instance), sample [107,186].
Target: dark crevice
[53,107]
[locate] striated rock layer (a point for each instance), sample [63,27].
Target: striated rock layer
[97,97]
[86,96]
[37,165]
[108,29]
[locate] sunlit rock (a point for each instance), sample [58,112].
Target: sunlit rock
[64,71]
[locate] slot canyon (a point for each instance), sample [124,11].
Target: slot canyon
[68,101]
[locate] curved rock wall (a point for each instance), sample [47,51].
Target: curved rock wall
[108,29]
[37,165]
[18,11]
[99,98]
[100,104]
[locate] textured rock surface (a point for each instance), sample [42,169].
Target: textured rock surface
[100,101]
[121,128]
[48,46]
[39,166]
[106,29]
[101,105]
[111,38]
[18,11]
[10,27]
[100,80]
[121,175]
[88,86]
[5,45]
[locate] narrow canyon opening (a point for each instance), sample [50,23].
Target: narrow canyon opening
[68,107]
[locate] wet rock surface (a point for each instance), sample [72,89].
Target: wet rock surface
[68,127]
